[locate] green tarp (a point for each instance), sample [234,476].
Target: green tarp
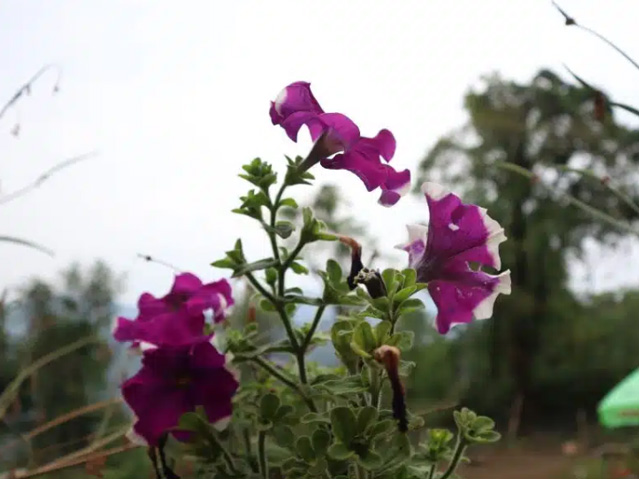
[620,407]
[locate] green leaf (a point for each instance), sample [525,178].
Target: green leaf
[271,276]
[304,448]
[369,459]
[402,340]
[321,439]
[345,385]
[313,417]
[382,427]
[269,405]
[343,423]
[487,437]
[363,342]
[404,294]
[381,331]
[410,305]
[482,424]
[334,271]
[290,202]
[255,266]
[299,268]
[266,305]
[284,435]
[283,411]
[410,277]
[284,229]
[365,417]
[340,452]
[391,280]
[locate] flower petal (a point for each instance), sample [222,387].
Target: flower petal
[294,98]
[463,294]
[397,185]
[460,230]
[216,296]
[186,283]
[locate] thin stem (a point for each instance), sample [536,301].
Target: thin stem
[261,452]
[604,181]
[256,284]
[274,208]
[227,457]
[457,455]
[571,199]
[249,453]
[314,325]
[431,472]
[264,364]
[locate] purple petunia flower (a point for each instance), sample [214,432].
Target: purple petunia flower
[175,380]
[335,133]
[178,317]
[456,235]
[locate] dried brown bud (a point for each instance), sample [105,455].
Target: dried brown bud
[389,357]
[599,107]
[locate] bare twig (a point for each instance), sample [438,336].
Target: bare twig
[26,88]
[571,21]
[45,176]
[23,242]
[152,259]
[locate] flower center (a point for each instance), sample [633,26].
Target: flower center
[183,381]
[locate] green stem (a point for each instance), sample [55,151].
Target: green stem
[376,387]
[249,453]
[314,325]
[256,284]
[274,208]
[261,454]
[264,364]
[615,191]
[431,472]
[571,199]
[457,455]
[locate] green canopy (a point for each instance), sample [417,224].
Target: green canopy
[620,407]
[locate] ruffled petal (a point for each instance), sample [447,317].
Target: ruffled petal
[294,98]
[397,184]
[461,296]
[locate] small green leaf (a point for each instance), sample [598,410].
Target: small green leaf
[410,305]
[366,416]
[284,229]
[391,280]
[369,460]
[334,271]
[402,340]
[482,424]
[382,427]
[255,266]
[269,405]
[299,268]
[312,417]
[404,294]
[340,452]
[487,437]
[381,331]
[290,202]
[266,305]
[410,277]
[304,448]
[284,435]
[321,439]
[344,424]
[363,339]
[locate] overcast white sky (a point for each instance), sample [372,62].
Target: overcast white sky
[175,96]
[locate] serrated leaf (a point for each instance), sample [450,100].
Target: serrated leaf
[344,424]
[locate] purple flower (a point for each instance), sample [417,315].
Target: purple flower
[440,253]
[175,380]
[335,133]
[178,317]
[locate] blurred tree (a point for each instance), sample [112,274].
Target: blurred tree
[83,306]
[545,126]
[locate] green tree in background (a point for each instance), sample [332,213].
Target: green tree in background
[548,127]
[81,306]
